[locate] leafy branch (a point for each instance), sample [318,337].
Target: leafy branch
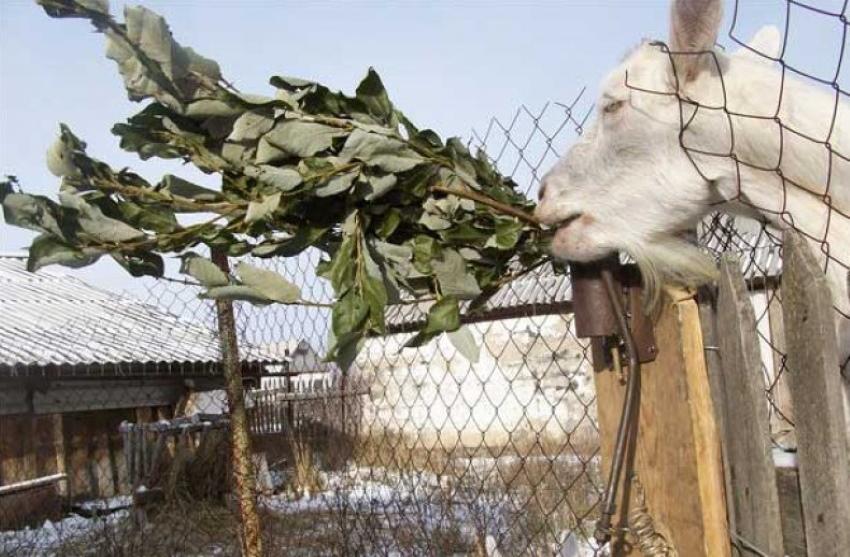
[399,214]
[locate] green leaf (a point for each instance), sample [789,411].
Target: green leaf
[341,268]
[158,218]
[290,83]
[344,349]
[268,283]
[303,238]
[302,139]
[72,8]
[507,234]
[250,126]
[465,344]
[373,95]
[444,315]
[207,108]
[418,180]
[424,250]
[337,184]
[349,313]
[141,264]
[389,224]
[203,270]
[375,293]
[433,222]
[95,224]
[380,185]
[465,233]
[59,159]
[153,64]
[259,210]
[453,277]
[236,292]
[35,212]
[374,288]
[394,252]
[386,153]
[284,179]
[183,188]
[7,187]
[47,250]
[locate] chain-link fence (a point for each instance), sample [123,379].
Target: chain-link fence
[115,420]
[412,450]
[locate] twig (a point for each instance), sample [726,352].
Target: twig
[489,202]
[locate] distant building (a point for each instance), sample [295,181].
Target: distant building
[532,376]
[300,365]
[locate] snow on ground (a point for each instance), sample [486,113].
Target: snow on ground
[424,501]
[111,504]
[47,539]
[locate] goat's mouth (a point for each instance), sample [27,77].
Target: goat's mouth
[564,223]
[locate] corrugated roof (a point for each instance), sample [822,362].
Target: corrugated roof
[51,318]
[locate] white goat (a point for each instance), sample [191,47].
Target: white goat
[629,185]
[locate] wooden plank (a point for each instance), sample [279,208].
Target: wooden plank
[677,454]
[18,459]
[705,433]
[791,512]
[75,455]
[92,466]
[13,398]
[45,451]
[746,436]
[816,392]
[83,395]
[59,450]
[31,506]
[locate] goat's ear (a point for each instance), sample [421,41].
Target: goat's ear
[694,25]
[766,42]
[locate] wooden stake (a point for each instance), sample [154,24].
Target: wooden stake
[240,445]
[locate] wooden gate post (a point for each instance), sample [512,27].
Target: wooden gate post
[677,449]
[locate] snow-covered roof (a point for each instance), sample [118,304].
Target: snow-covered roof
[51,319]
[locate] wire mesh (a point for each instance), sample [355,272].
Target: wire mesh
[789,149]
[411,451]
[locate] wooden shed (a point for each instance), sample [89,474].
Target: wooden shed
[76,361]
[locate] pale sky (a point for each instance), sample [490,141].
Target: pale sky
[450,65]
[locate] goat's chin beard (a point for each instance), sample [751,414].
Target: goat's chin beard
[670,260]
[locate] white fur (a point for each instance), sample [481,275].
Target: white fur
[637,188]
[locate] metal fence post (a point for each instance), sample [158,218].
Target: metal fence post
[240,445]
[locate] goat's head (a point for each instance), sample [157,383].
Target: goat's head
[628,184]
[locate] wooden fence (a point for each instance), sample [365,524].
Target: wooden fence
[704,469]
[274,411]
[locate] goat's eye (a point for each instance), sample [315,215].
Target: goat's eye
[613,107]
